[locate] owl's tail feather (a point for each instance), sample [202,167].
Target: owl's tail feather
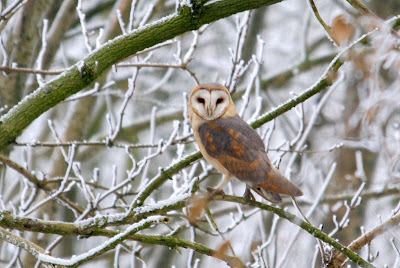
[276,184]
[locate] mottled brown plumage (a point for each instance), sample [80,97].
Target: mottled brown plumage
[232,146]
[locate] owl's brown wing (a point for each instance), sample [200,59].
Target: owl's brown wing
[239,148]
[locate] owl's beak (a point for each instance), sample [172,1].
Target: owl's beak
[209,110]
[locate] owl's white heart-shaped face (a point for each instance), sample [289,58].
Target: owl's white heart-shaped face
[210,105]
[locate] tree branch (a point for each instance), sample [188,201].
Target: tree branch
[20,242]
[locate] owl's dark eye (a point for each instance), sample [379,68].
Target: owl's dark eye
[220,100]
[201,100]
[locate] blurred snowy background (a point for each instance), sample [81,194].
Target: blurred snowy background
[341,147]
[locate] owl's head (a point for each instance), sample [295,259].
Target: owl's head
[210,101]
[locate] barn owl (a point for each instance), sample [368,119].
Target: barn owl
[232,146]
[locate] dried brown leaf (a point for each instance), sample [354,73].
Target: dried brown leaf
[196,207]
[222,250]
[342,31]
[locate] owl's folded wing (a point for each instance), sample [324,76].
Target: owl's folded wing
[239,148]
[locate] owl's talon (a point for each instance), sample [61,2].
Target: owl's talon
[215,192]
[248,195]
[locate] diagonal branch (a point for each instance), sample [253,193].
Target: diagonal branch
[326,27]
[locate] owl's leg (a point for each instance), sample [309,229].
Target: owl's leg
[224,181]
[248,195]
